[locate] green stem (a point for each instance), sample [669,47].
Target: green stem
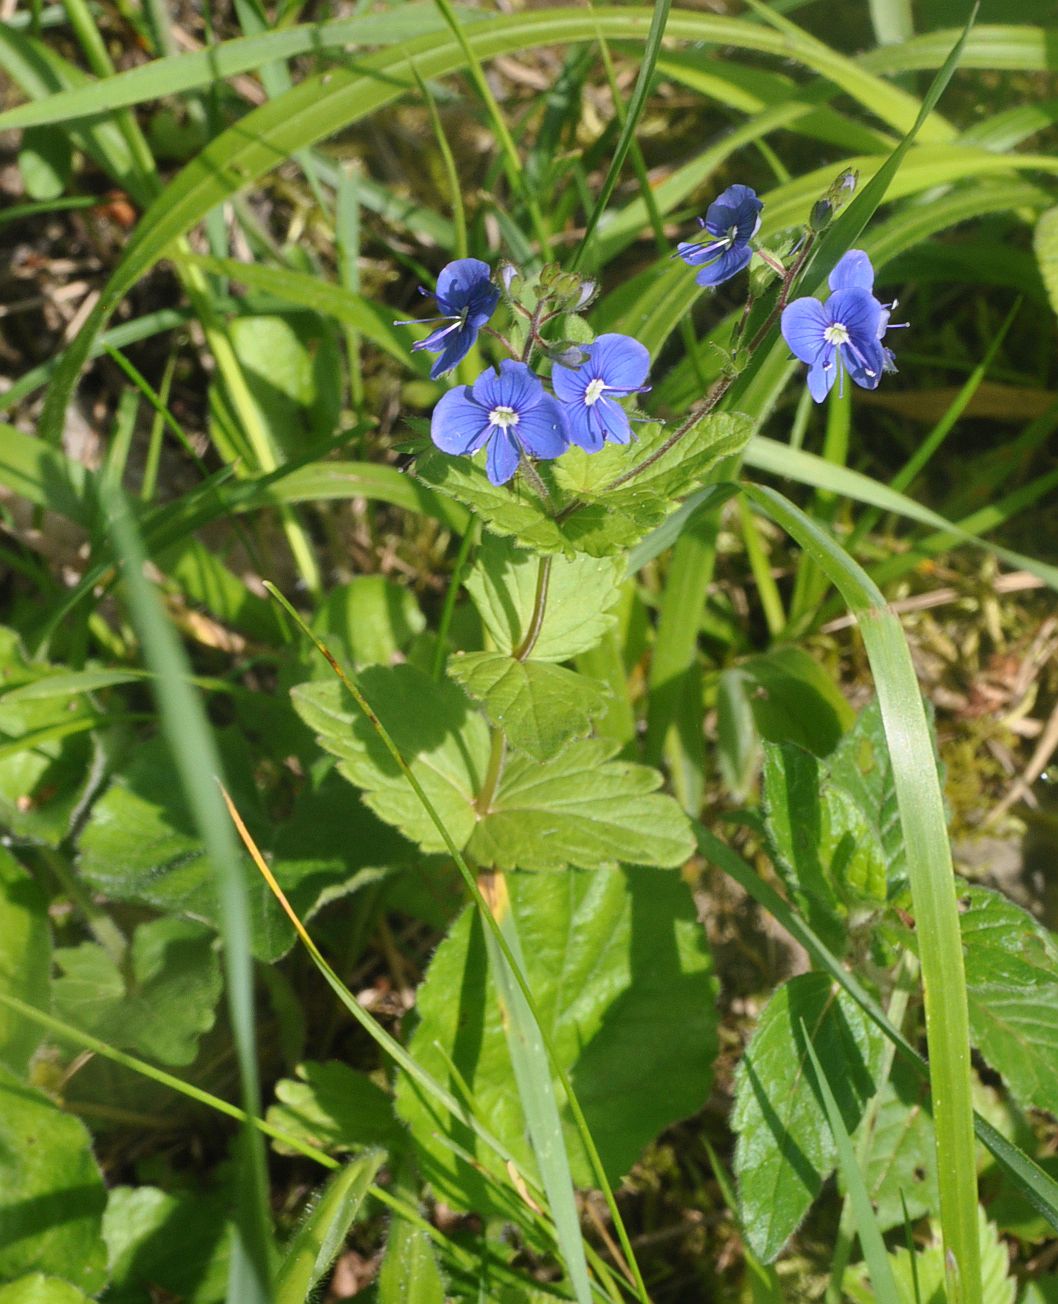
[497,755]
[536,620]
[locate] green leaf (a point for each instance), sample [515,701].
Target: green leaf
[795,700]
[170,999]
[25,958]
[921,1280]
[826,848]
[581,808]
[1012,989]
[45,160]
[785,1149]
[581,595]
[140,845]
[51,1192]
[320,1237]
[607,954]
[39,1289]
[444,740]
[539,707]
[333,1108]
[45,753]
[367,621]
[1045,246]
[180,1244]
[901,1167]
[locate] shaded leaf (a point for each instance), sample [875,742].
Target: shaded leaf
[334,1108]
[539,707]
[785,1149]
[618,965]
[51,1192]
[177,1243]
[25,958]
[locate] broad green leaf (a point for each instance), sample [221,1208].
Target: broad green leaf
[901,1167]
[139,845]
[676,471]
[607,953]
[580,808]
[539,707]
[25,958]
[164,1005]
[581,595]
[367,621]
[861,765]
[795,700]
[51,1192]
[410,1273]
[45,160]
[785,1149]
[436,730]
[156,1242]
[1012,989]
[45,753]
[1045,245]
[334,1108]
[39,1289]
[826,848]
[320,1237]
[922,1281]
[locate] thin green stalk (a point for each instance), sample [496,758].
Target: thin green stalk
[511,160]
[760,565]
[483,906]
[455,190]
[932,884]
[454,584]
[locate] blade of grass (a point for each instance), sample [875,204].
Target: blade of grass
[871,1242]
[932,884]
[495,933]
[196,760]
[636,106]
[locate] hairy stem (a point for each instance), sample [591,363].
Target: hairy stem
[536,620]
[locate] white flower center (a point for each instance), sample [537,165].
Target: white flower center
[504,417]
[836,334]
[594,392]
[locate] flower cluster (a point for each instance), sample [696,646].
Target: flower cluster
[509,413]
[844,334]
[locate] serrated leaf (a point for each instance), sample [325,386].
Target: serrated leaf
[25,958]
[795,700]
[410,1273]
[581,595]
[825,846]
[861,765]
[139,845]
[334,1108]
[608,955]
[169,1001]
[539,707]
[901,1167]
[436,730]
[51,1192]
[1012,993]
[921,1280]
[785,1149]
[581,808]
[1045,246]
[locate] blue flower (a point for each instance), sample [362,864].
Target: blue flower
[731,221]
[853,271]
[841,335]
[616,364]
[507,413]
[467,299]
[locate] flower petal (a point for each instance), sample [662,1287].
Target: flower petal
[569,383]
[859,312]
[821,381]
[866,370]
[615,419]
[585,428]
[456,348]
[803,324]
[458,282]
[693,254]
[501,461]
[853,271]
[620,360]
[459,424]
[543,430]
[729,264]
